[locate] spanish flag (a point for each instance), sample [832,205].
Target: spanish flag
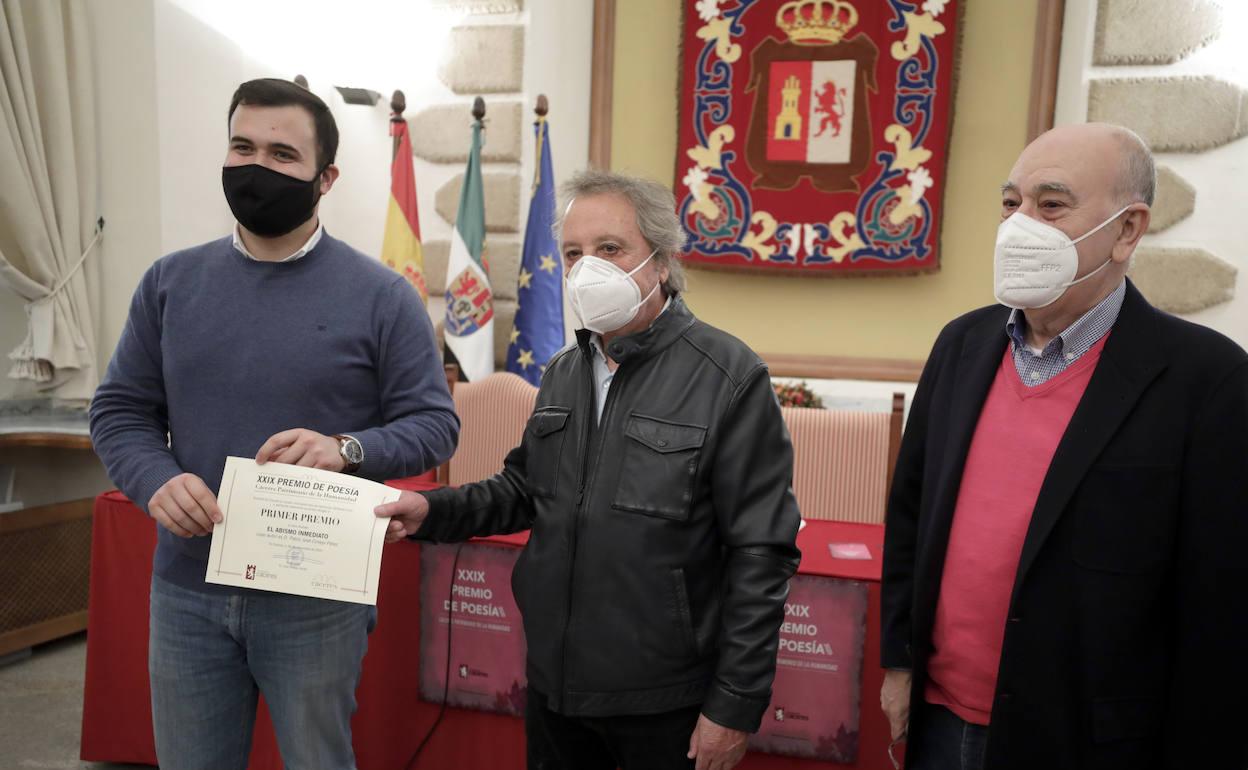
[400,249]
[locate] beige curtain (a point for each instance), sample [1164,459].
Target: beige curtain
[48,192]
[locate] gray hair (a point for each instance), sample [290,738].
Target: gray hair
[655,207]
[1137,177]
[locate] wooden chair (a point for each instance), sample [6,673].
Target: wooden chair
[492,414]
[843,461]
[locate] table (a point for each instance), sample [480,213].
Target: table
[391,720]
[44,549]
[36,423]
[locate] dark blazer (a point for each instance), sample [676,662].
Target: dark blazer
[1127,639]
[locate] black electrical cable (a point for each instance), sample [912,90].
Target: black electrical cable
[446,679]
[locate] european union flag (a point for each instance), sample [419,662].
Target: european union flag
[538,333]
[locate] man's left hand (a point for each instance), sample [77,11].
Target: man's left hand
[302,447]
[716,747]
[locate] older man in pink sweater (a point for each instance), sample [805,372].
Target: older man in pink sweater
[1064,579]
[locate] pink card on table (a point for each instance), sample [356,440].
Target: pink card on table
[857,551]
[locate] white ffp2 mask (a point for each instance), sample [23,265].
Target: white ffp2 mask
[603,296]
[1035,263]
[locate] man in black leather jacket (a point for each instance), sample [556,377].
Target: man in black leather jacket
[655,474]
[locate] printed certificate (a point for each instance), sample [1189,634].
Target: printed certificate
[298,531]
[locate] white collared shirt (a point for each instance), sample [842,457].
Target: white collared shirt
[311,244]
[602,373]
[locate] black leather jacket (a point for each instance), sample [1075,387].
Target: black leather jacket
[662,540]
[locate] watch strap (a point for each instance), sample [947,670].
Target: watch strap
[349,467]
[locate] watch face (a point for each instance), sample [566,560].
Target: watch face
[353,452]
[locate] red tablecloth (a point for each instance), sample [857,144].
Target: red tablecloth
[117,715]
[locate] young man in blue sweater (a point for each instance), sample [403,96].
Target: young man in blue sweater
[281,342]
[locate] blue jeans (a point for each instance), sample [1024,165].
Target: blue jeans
[946,742]
[209,657]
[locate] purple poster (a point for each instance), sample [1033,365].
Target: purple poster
[487,639]
[815,701]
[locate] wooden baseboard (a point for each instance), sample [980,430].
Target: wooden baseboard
[47,440]
[53,441]
[843,367]
[44,631]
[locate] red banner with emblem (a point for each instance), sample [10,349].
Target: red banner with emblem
[474,605]
[814,133]
[815,708]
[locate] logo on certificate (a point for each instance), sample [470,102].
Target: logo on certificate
[251,572]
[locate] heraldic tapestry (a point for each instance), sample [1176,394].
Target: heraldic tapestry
[814,133]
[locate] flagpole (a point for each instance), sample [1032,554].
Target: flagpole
[478,112]
[543,107]
[398,103]
[400,246]
[449,358]
[538,332]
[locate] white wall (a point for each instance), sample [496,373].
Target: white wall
[1215,223]
[124,50]
[558,55]
[197,70]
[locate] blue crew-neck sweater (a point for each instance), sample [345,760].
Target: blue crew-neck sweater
[220,352]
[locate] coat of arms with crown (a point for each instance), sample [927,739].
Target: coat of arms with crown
[810,117]
[814,133]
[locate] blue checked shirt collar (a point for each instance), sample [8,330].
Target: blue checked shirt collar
[1066,348]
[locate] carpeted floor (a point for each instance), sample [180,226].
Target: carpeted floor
[41,709]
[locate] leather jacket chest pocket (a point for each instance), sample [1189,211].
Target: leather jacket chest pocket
[658,466]
[544,438]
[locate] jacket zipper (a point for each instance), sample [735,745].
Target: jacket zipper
[582,482]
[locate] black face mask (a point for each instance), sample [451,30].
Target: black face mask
[266,202]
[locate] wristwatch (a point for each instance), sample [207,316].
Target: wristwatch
[351,451]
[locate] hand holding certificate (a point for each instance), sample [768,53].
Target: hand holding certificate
[298,531]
